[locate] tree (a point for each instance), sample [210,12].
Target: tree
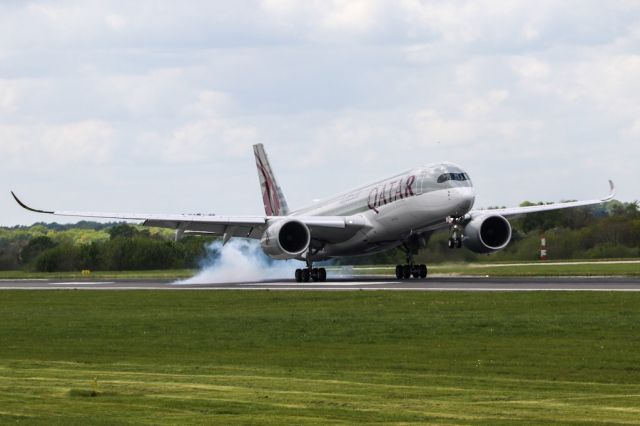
[36,246]
[122,230]
[61,258]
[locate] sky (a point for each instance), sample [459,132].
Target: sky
[153,106]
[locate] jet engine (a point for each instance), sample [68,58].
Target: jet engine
[486,234]
[286,239]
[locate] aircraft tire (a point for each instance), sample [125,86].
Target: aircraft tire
[406,272]
[306,275]
[451,243]
[423,271]
[399,273]
[415,271]
[298,275]
[315,275]
[322,274]
[458,242]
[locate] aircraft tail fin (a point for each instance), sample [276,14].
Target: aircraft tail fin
[274,202]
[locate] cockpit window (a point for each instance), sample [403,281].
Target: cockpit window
[453,176]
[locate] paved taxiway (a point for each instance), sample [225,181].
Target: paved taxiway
[352,283]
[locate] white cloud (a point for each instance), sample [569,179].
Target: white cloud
[529,67]
[8,97]
[50,146]
[115,21]
[201,141]
[484,105]
[434,128]
[352,16]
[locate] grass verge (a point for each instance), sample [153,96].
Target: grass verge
[168,274]
[307,358]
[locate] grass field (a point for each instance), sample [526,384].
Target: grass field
[169,274]
[305,358]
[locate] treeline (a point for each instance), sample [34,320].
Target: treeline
[93,246]
[609,231]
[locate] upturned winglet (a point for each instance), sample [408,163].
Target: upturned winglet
[24,206]
[612,191]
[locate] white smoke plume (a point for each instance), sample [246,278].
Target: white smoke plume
[240,260]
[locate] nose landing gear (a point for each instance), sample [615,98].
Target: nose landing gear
[455,240]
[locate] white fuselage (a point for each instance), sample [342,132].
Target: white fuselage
[417,201]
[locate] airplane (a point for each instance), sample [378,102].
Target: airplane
[402,211]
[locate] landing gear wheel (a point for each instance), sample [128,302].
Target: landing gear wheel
[313,274]
[423,271]
[458,242]
[415,271]
[322,274]
[406,272]
[451,243]
[399,273]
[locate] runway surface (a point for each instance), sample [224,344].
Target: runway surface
[369,283]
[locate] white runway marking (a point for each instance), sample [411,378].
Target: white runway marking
[84,283]
[324,284]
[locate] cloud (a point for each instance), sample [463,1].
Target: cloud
[205,139]
[115,21]
[77,144]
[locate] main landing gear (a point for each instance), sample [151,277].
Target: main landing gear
[311,274]
[404,272]
[411,248]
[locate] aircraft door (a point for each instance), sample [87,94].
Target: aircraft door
[421,187]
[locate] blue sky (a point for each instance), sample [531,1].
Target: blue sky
[153,106]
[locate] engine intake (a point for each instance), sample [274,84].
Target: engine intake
[286,239]
[487,234]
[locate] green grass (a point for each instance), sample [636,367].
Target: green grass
[316,357]
[100,275]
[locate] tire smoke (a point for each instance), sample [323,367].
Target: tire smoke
[240,260]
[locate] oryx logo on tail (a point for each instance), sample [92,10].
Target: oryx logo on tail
[272,196]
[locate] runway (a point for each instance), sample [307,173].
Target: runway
[366,283]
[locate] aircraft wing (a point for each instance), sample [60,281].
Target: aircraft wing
[515,211]
[207,224]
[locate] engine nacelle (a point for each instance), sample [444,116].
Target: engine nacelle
[486,234]
[286,239]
